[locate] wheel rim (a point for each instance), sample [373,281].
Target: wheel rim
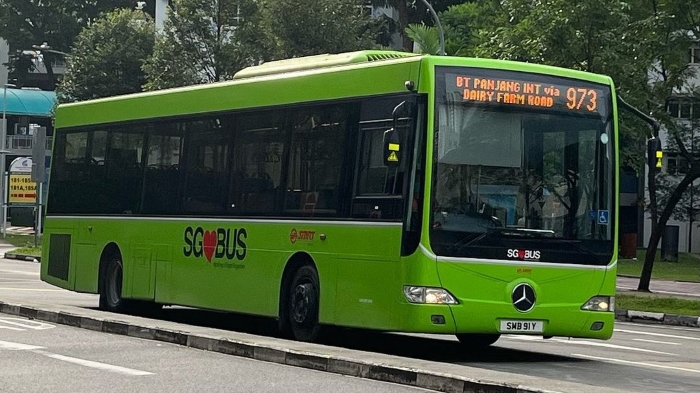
[302,303]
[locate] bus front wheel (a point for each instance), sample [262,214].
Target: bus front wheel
[111,286]
[477,340]
[303,304]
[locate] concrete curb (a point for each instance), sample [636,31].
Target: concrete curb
[22,257]
[274,354]
[657,317]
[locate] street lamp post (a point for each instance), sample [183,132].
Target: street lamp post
[3,151]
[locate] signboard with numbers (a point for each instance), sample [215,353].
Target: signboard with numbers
[525,90]
[21,190]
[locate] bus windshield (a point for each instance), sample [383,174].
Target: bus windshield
[523,168]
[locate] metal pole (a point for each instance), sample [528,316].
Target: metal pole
[3,140]
[439,26]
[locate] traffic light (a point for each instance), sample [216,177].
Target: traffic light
[654,154]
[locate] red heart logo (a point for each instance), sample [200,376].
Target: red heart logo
[521,254]
[209,244]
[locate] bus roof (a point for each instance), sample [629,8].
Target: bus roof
[306,79]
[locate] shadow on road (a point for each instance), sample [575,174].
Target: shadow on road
[412,346]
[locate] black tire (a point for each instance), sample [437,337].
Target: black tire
[111,286]
[302,306]
[477,340]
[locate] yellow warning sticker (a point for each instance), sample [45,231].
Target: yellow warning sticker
[394,146]
[393,157]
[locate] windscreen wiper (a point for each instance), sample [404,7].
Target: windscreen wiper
[515,232]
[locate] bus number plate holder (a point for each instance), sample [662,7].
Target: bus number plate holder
[520,326]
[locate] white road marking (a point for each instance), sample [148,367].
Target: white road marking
[17,346]
[26,323]
[641,364]
[658,334]
[11,328]
[96,365]
[32,289]
[18,281]
[655,342]
[663,327]
[589,343]
[20,272]
[6,345]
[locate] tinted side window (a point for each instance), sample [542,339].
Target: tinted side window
[317,155]
[121,189]
[379,188]
[163,174]
[257,164]
[78,172]
[207,150]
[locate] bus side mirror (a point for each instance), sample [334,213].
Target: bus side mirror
[392,148]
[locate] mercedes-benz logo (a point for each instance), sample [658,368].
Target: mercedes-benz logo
[523,297]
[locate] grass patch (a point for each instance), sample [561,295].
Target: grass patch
[22,240]
[653,303]
[686,269]
[32,251]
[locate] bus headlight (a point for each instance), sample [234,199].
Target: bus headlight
[428,295]
[600,303]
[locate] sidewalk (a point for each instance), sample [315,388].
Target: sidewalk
[682,289]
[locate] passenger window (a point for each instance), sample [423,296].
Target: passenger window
[379,188]
[121,192]
[163,175]
[257,164]
[206,165]
[316,159]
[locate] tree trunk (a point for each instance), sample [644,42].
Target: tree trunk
[657,228]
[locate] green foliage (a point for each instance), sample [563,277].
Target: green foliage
[311,27]
[463,24]
[24,23]
[107,57]
[206,41]
[210,40]
[427,39]
[667,305]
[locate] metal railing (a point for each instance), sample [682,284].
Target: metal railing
[25,142]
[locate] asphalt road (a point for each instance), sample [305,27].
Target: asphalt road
[42,357]
[639,358]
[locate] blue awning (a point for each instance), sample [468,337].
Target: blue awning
[25,102]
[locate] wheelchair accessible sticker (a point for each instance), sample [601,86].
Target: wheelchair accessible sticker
[603,217]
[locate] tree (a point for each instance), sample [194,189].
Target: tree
[108,57]
[24,23]
[426,39]
[207,41]
[677,29]
[311,27]
[414,12]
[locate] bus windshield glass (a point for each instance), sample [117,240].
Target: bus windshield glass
[523,168]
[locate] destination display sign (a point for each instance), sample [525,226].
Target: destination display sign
[526,90]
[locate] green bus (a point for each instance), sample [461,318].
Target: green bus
[372,189]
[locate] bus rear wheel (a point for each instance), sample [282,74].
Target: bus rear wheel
[477,340]
[303,304]
[111,286]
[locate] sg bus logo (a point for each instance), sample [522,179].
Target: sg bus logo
[217,243]
[528,255]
